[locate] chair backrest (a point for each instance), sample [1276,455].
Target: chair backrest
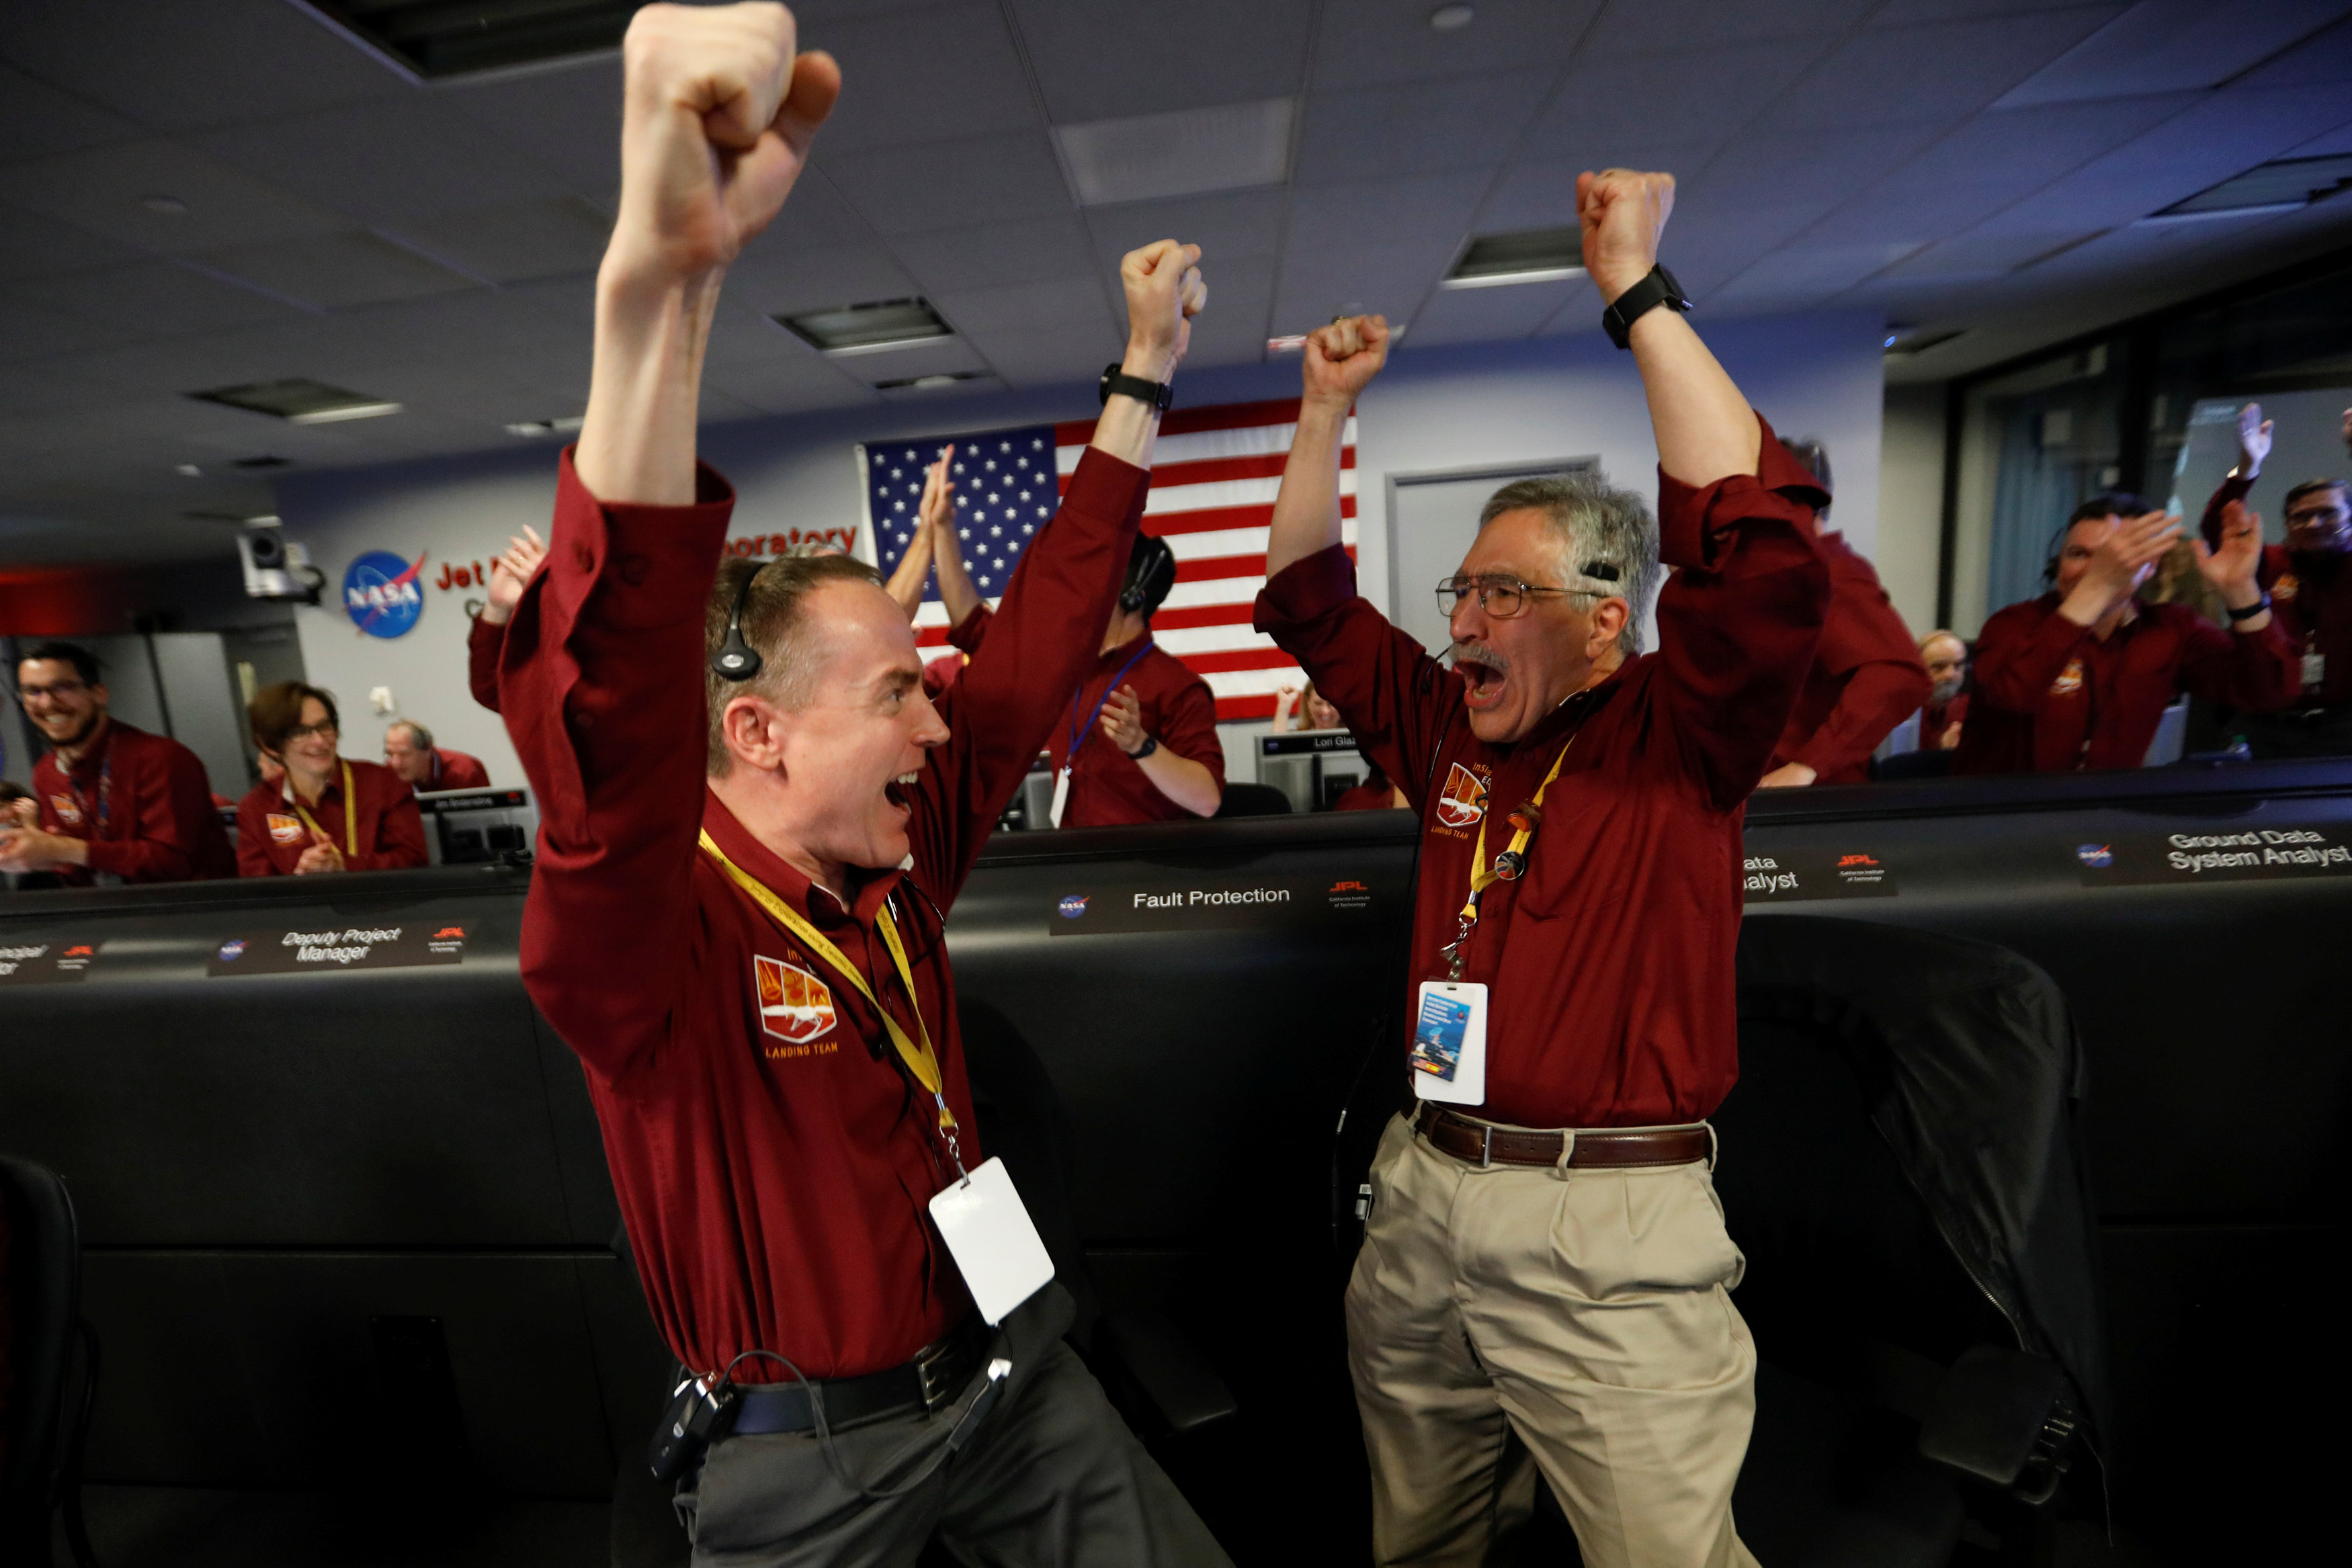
[44,1290]
[1254,801]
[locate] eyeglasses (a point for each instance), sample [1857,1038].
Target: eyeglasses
[1501,597]
[2315,514]
[62,689]
[305,731]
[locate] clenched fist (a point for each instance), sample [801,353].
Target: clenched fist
[1164,291]
[1623,213]
[718,113]
[1341,359]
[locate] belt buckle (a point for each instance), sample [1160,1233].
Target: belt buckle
[1486,1148]
[935,1376]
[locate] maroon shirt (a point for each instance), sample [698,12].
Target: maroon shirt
[2312,597]
[2052,698]
[484,642]
[271,836]
[142,803]
[454,770]
[1609,963]
[1866,676]
[1936,718]
[1108,787]
[773,1163]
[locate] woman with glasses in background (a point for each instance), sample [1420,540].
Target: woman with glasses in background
[330,812]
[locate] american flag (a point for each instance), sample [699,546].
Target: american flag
[1214,477]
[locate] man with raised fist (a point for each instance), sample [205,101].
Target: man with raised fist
[752,821]
[1545,1255]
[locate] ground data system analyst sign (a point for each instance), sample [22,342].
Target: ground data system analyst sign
[382,593]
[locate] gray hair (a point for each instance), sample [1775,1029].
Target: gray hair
[1595,526]
[418,736]
[775,624]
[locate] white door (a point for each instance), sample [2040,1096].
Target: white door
[1433,518]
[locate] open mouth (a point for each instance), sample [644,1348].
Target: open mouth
[1481,684]
[895,791]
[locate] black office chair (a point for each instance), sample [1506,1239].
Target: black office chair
[54,1357]
[1254,801]
[1902,1168]
[1931,764]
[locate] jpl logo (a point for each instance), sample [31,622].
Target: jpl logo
[381,594]
[2094,854]
[1074,906]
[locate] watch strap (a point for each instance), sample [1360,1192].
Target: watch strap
[1150,744]
[1117,382]
[1658,288]
[2250,611]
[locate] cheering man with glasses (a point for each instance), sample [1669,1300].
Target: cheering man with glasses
[1545,1255]
[116,804]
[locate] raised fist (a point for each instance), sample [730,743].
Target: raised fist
[1621,213]
[1340,360]
[718,113]
[1164,292]
[2254,440]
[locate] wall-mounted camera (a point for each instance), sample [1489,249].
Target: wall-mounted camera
[276,567]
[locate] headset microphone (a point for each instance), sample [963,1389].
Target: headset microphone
[1150,573]
[736,659]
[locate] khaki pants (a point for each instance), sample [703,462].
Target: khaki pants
[1586,1311]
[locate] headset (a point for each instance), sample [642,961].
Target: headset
[1150,573]
[736,659]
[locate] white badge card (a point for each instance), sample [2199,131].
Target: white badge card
[2315,669]
[992,1240]
[1449,1042]
[1061,797]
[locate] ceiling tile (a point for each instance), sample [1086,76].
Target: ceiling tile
[1800,274]
[337,270]
[947,184]
[36,120]
[1230,228]
[154,297]
[1077,303]
[386,161]
[2324,58]
[1431,211]
[923,75]
[1715,91]
[1798,175]
[1075,352]
[1541,193]
[1484,315]
[815,217]
[1095,61]
[186,64]
[102,189]
[514,243]
[1413,127]
[1988,254]
[27,333]
[1036,251]
[820,279]
[2164,46]
[1381,280]
[1874,77]
[2334,141]
[1659,27]
[1371,41]
[1233,330]
[31,245]
[568,118]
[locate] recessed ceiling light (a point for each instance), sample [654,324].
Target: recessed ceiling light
[1185,153]
[1530,255]
[190,470]
[869,329]
[930,382]
[170,206]
[548,426]
[1451,19]
[300,400]
[1903,342]
[432,38]
[2282,185]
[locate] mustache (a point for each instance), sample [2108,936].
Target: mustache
[1479,653]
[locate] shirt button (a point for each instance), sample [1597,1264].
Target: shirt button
[583,558]
[633,568]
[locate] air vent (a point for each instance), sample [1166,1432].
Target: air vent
[867,329]
[436,39]
[1903,342]
[298,402]
[1532,256]
[2281,186]
[930,382]
[265,461]
[1188,153]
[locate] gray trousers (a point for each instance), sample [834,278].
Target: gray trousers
[1052,1478]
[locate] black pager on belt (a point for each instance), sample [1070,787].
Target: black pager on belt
[696,1418]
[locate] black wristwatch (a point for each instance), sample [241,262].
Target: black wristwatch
[1150,744]
[1658,288]
[1117,382]
[2250,611]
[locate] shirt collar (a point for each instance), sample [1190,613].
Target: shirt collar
[334,786]
[867,889]
[1124,650]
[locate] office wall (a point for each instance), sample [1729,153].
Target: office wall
[1911,500]
[1434,409]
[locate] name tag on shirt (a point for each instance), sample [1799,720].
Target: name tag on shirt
[1449,1042]
[2315,669]
[992,1240]
[1061,797]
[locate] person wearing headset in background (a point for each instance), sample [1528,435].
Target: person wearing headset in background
[330,812]
[2080,677]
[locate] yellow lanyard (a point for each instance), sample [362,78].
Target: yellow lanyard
[1506,867]
[920,1059]
[350,814]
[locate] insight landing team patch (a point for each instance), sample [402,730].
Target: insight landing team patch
[1464,800]
[795,1005]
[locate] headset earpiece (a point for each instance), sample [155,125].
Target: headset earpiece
[1150,573]
[736,659]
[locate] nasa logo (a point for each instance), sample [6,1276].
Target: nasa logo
[381,594]
[231,950]
[1464,799]
[285,829]
[2069,681]
[68,809]
[795,1005]
[2094,854]
[1074,906]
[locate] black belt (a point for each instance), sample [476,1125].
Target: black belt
[933,1379]
[1604,1148]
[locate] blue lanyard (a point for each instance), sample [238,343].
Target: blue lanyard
[98,819]
[1082,733]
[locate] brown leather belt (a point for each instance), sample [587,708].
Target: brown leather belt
[1601,1148]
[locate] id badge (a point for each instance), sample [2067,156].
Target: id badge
[995,1245]
[1449,1042]
[2315,669]
[1061,797]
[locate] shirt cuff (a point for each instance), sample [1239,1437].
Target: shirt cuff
[1693,520]
[966,636]
[664,554]
[109,855]
[1304,591]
